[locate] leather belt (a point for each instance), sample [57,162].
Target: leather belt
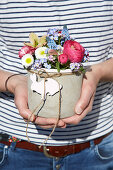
[56,151]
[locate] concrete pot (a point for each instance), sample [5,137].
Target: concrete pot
[70,88]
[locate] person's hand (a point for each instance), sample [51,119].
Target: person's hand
[84,105]
[18,86]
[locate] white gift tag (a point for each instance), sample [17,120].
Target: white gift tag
[50,86]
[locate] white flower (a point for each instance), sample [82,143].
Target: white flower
[41,52]
[27,60]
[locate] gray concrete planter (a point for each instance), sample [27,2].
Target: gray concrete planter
[70,88]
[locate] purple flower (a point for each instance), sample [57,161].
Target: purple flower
[74,66]
[51,58]
[37,64]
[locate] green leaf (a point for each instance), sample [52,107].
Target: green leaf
[58,66]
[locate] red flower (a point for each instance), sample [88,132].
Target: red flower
[74,51]
[63,58]
[26,50]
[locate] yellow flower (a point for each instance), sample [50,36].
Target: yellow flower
[35,41]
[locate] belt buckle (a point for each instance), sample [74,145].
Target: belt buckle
[45,150]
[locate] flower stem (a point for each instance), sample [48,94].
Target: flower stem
[58,66]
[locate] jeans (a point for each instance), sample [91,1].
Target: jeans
[97,157]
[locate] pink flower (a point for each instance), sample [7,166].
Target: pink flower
[74,51]
[63,58]
[26,50]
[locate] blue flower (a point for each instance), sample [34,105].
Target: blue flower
[43,60]
[86,56]
[59,47]
[63,41]
[46,65]
[53,34]
[46,50]
[86,52]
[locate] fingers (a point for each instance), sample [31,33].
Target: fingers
[21,102]
[42,122]
[84,101]
[78,117]
[49,122]
[27,114]
[87,93]
[51,126]
[84,105]
[23,108]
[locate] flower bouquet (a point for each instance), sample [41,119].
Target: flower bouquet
[55,72]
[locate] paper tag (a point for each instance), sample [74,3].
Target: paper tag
[51,86]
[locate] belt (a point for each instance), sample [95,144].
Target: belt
[56,151]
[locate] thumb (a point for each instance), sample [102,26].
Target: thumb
[27,114]
[83,102]
[24,110]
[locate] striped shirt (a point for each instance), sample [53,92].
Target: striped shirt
[90,22]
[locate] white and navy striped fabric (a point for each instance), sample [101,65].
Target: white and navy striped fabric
[90,22]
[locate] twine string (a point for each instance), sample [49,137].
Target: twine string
[43,74]
[59,111]
[30,118]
